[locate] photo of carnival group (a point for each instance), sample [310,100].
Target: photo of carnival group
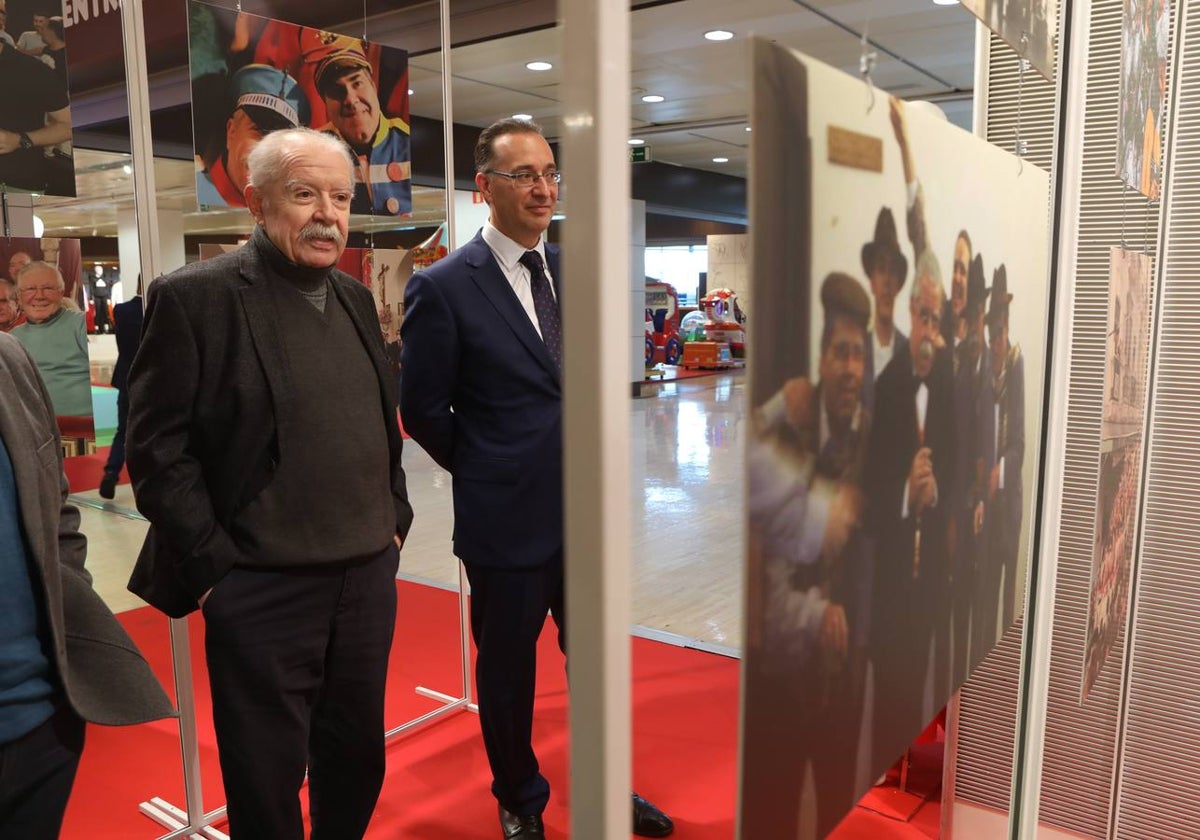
[895,395]
[1127,348]
[252,75]
[35,110]
[1145,38]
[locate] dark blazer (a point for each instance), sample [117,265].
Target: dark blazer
[128,326]
[894,442]
[481,394]
[105,678]
[209,389]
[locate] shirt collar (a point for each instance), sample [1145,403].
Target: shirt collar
[508,253]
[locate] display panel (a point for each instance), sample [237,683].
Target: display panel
[1029,26]
[1145,33]
[1118,486]
[252,75]
[35,109]
[900,270]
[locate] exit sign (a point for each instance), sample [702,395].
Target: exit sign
[640,154]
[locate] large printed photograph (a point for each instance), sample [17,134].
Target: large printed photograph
[1028,26]
[41,297]
[35,110]
[252,75]
[1145,39]
[1121,428]
[900,333]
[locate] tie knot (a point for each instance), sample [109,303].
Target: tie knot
[533,261]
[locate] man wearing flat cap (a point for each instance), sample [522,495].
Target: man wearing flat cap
[806,464]
[973,425]
[886,268]
[1005,399]
[382,152]
[263,99]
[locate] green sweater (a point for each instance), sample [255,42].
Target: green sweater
[59,346]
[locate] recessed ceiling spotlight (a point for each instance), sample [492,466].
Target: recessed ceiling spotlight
[522,116]
[127,169]
[539,66]
[723,34]
[653,97]
[945,2]
[410,91]
[720,160]
[636,141]
[748,128]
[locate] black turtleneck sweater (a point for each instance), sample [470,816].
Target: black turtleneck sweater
[330,497]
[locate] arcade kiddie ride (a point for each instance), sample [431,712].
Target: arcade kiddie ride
[724,333]
[663,342]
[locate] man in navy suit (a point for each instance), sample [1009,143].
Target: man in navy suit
[128,317]
[482,393]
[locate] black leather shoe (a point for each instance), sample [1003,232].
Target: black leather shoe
[522,826]
[648,821]
[108,487]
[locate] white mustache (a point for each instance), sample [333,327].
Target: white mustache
[316,230]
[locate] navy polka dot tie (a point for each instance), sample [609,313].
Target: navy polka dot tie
[545,305]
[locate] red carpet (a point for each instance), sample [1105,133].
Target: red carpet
[85,471]
[437,788]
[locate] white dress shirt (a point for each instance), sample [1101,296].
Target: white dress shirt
[508,255]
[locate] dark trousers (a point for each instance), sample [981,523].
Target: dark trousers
[508,610]
[116,455]
[297,660]
[36,774]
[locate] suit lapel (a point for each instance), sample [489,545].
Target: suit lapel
[263,320]
[486,273]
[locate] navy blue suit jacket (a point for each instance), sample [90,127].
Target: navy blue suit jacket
[481,394]
[128,327]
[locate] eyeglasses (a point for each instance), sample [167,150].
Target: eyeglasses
[526,180]
[32,291]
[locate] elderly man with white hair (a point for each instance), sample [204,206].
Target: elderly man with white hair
[265,451]
[56,337]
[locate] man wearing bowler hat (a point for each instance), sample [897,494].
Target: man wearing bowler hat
[1005,400]
[806,461]
[263,99]
[973,425]
[381,145]
[886,268]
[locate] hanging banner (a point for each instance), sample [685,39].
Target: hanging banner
[1118,499]
[35,110]
[253,75]
[900,314]
[1145,39]
[1028,26]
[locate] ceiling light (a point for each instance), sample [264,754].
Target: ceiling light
[636,141]
[522,116]
[723,34]
[127,169]
[748,128]
[410,91]
[653,97]
[945,2]
[539,66]
[39,227]
[720,160]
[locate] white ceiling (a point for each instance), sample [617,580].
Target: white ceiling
[706,86]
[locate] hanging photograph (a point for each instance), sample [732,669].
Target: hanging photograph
[899,352]
[252,75]
[1121,428]
[1028,26]
[35,110]
[43,289]
[1145,39]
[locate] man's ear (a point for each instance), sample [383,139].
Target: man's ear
[484,187]
[254,202]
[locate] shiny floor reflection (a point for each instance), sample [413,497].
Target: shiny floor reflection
[687,522]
